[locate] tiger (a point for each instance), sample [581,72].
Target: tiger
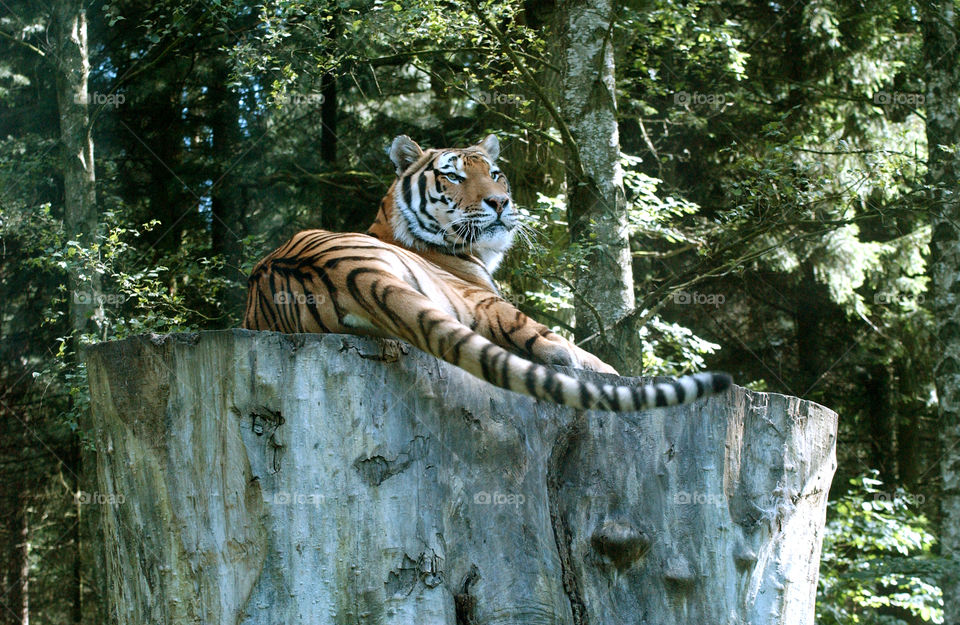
[422,273]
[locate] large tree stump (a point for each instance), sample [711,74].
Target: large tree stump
[264,479]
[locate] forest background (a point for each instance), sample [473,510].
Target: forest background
[765,188]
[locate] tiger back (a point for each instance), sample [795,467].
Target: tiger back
[423,273]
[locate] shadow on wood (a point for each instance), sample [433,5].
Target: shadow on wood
[259,479]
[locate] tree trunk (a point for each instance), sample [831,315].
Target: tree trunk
[255,478]
[328,120]
[808,331]
[596,203]
[15,603]
[23,553]
[227,225]
[943,133]
[72,67]
[15,498]
[539,163]
[881,423]
[910,458]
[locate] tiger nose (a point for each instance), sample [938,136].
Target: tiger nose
[497,202]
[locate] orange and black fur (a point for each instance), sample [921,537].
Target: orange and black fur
[422,273]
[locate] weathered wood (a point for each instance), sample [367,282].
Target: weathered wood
[258,478]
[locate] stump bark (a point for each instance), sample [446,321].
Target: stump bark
[260,479]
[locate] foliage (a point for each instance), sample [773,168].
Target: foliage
[878,566]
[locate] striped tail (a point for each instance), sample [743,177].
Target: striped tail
[546,384]
[683,390]
[446,338]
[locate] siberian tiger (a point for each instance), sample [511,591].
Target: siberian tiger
[422,273]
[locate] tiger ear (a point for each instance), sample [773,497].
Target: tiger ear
[404,152]
[491,146]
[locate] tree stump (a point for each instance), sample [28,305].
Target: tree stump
[263,479]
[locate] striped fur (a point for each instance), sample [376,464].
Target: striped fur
[422,273]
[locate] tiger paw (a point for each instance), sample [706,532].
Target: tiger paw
[573,356]
[592,363]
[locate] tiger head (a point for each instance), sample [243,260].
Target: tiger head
[456,199]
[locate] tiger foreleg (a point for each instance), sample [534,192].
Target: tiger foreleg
[511,329]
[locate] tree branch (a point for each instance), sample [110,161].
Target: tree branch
[535,87]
